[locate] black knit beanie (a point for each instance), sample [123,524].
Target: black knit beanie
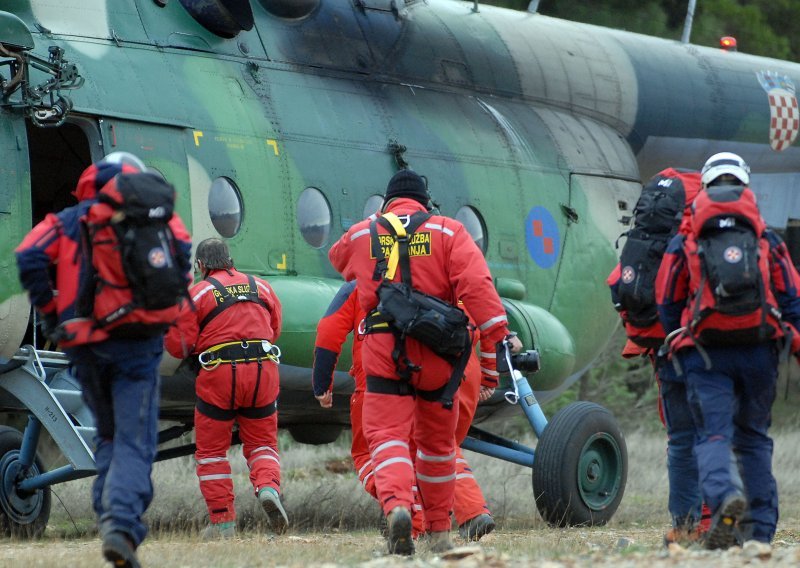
[407,183]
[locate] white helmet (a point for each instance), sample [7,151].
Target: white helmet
[725,163]
[124,158]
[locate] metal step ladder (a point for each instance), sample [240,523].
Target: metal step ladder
[42,383]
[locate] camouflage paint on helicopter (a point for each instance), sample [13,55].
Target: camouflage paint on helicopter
[280,122]
[506,113]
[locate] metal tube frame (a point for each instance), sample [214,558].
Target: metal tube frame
[495,446]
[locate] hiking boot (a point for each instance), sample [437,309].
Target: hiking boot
[399,532]
[684,536]
[477,527]
[757,549]
[217,531]
[722,534]
[118,549]
[438,542]
[276,514]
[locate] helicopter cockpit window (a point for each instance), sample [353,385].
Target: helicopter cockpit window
[473,223]
[372,205]
[225,207]
[314,217]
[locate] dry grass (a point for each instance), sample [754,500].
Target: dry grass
[333,520]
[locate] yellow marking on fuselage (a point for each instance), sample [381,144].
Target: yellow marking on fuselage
[198,134]
[274,144]
[282,264]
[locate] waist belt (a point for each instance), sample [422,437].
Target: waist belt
[225,414]
[375,322]
[380,385]
[245,351]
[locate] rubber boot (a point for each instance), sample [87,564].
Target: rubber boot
[438,542]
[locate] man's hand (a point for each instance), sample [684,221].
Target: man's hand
[49,324]
[325,400]
[515,344]
[486,393]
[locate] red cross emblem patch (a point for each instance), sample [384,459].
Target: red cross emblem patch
[157,258]
[628,274]
[732,254]
[784,117]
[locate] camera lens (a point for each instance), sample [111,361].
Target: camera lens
[527,361]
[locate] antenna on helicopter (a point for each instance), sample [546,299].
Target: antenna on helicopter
[533,7]
[687,24]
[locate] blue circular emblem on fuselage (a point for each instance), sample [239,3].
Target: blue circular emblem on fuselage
[542,237]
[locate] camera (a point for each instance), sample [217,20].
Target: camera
[525,362]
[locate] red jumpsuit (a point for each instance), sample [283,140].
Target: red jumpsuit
[345,315]
[243,391]
[453,268]
[469,501]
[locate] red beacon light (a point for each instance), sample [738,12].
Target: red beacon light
[727,43]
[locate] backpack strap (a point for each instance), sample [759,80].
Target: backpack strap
[445,397]
[381,260]
[399,249]
[697,317]
[227,299]
[87,286]
[90,283]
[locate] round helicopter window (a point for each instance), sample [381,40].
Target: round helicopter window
[372,205]
[225,207]
[473,223]
[314,217]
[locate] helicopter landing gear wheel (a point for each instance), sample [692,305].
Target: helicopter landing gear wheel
[22,514]
[581,467]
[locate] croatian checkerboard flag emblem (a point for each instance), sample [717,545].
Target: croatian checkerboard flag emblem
[783,113]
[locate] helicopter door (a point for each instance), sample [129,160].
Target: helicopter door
[49,168]
[58,156]
[159,146]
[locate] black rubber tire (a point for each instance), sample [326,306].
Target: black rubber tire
[315,434]
[581,467]
[21,516]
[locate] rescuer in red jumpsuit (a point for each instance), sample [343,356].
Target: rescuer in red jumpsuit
[345,315]
[231,330]
[451,267]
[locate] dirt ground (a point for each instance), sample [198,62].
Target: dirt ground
[549,548]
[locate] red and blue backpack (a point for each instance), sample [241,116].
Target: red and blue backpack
[132,282]
[731,301]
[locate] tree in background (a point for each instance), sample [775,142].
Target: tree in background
[762,27]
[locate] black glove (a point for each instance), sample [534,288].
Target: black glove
[48,323]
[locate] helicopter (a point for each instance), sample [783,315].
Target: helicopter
[279,123]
